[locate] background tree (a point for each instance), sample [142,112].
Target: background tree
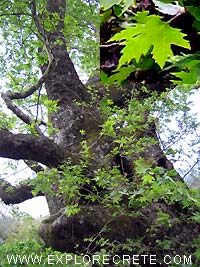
[95,149]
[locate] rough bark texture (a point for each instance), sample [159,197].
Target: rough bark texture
[68,233]
[91,221]
[29,147]
[16,194]
[59,231]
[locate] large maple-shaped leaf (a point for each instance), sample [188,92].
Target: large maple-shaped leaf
[152,35]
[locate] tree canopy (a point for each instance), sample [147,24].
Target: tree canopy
[95,148]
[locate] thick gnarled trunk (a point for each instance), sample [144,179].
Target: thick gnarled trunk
[78,111]
[74,114]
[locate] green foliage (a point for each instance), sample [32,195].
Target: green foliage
[32,253]
[124,4]
[190,69]
[148,42]
[7,121]
[25,229]
[142,34]
[81,32]
[28,248]
[68,180]
[130,127]
[7,226]
[19,34]
[22,246]
[108,4]
[23,53]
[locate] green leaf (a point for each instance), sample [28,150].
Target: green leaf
[127,4]
[196,217]
[148,179]
[154,36]
[195,11]
[106,4]
[186,77]
[141,166]
[141,17]
[190,72]
[120,76]
[105,16]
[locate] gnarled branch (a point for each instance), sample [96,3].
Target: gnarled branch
[29,147]
[16,194]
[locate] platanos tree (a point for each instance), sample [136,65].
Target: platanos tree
[94,148]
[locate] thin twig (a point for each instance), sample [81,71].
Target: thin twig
[37,107]
[191,168]
[110,45]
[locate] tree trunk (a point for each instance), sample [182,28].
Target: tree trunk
[78,111]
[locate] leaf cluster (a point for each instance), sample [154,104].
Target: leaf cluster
[148,44]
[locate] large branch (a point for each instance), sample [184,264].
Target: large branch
[29,147]
[16,194]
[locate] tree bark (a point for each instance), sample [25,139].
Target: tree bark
[77,112]
[29,147]
[10,194]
